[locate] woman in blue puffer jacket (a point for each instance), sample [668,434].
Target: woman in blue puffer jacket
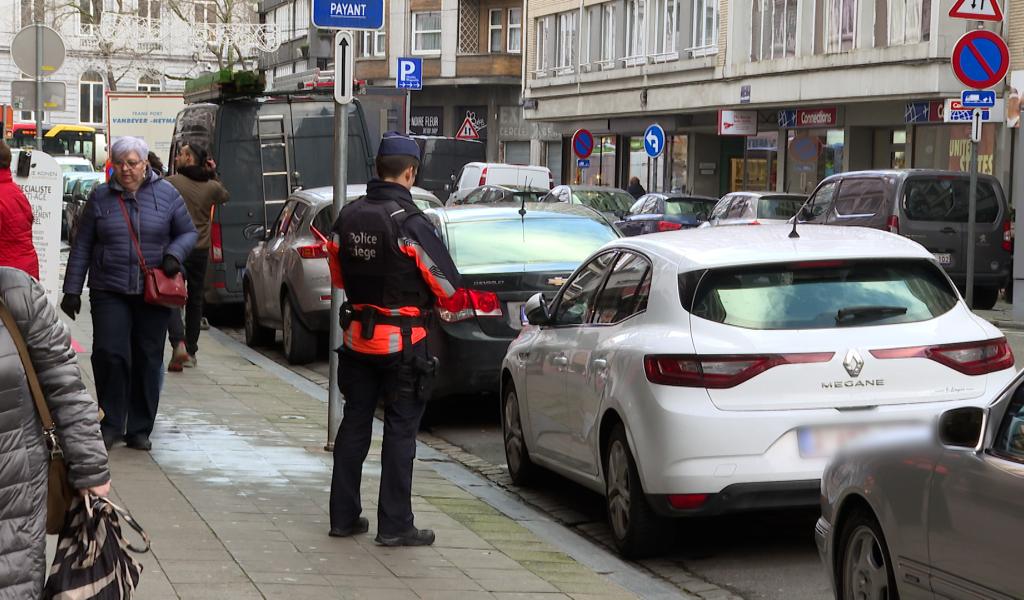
[128,333]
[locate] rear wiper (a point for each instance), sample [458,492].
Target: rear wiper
[862,313]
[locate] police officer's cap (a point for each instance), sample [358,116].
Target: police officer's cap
[396,144]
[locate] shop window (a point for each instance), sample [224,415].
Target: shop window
[678,163]
[553,160]
[813,155]
[948,147]
[426,32]
[515,30]
[836,30]
[517,153]
[773,29]
[602,162]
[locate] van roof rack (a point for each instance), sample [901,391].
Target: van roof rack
[224,85]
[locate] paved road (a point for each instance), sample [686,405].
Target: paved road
[760,556]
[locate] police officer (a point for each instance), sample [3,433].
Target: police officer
[393,267]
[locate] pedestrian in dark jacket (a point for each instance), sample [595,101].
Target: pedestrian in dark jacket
[24,458]
[197,182]
[128,333]
[635,189]
[16,247]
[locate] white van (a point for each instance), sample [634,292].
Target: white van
[476,174]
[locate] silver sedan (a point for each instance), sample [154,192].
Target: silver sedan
[934,514]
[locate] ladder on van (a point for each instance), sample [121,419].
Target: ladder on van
[273,140]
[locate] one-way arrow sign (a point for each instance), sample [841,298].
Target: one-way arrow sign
[344,70]
[977,10]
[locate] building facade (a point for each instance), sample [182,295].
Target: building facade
[834,85]
[130,45]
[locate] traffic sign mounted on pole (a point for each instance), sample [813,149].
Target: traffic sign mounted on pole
[654,141]
[347,14]
[978,98]
[344,68]
[467,131]
[981,59]
[582,143]
[410,74]
[977,10]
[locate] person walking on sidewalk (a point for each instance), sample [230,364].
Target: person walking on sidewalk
[137,205]
[24,457]
[392,266]
[196,181]
[16,247]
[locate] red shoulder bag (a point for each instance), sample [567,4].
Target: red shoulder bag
[159,289]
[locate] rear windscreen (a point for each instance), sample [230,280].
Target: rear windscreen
[518,242]
[779,207]
[605,201]
[940,199]
[822,294]
[687,206]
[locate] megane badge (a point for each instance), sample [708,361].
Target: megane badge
[853,363]
[557,281]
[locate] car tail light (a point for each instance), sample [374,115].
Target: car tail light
[312,251]
[483,176]
[971,358]
[893,224]
[755,222]
[720,371]
[466,304]
[216,243]
[1007,236]
[687,501]
[668,226]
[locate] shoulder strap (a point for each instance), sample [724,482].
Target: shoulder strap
[30,371]
[131,230]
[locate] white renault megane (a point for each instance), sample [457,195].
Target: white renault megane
[716,370]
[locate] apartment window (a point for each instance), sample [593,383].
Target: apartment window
[374,43]
[89,13]
[593,18]
[566,49]
[148,84]
[494,37]
[515,30]
[705,24]
[31,11]
[149,9]
[607,31]
[906,21]
[773,29]
[426,32]
[666,26]
[90,98]
[839,25]
[206,12]
[635,28]
[543,43]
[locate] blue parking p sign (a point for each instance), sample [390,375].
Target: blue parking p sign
[410,74]
[348,14]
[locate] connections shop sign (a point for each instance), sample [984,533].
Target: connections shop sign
[805,118]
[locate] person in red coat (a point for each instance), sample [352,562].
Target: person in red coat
[16,248]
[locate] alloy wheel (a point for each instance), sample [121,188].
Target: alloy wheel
[250,317]
[514,443]
[865,572]
[286,328]
[618,489]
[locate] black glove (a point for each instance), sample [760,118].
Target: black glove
[170,266]
[71,304]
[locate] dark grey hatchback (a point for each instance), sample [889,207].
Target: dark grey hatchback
[929,207]
[504,257]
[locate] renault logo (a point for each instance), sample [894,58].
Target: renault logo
[853,363]
[557,281]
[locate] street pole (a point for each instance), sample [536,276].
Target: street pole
[972,204]
[334,400]
[39,86]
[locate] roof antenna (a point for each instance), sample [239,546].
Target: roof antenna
[522,207]
[793,234]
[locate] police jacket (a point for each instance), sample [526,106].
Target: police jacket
[392,262]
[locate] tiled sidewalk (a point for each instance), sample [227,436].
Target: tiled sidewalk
[235,491]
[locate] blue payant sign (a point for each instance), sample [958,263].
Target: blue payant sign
[348,14]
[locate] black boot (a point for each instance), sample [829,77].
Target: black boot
[415,537]
[361,525]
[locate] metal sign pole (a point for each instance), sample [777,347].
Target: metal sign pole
[972,204]
[39,86]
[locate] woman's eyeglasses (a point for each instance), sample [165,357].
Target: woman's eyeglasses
[131,164]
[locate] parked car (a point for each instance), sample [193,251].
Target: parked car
[441,158]
[929,207]
[76,164]
[504,258]
[652,213]
[499,194]
[75,199]
[476,174]
[287,283]
[939,514]
[612,202]
[714,370]
[755,208]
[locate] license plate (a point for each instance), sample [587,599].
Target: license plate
[824,442]
[944,258]
[515,314]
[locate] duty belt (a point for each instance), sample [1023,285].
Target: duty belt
[369,318]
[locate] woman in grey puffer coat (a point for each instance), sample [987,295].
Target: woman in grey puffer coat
[24,460]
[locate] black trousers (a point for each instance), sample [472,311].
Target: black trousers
[127,360]
[195,276]
[404,387]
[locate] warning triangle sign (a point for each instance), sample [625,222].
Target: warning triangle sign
[977,10]
[467,131]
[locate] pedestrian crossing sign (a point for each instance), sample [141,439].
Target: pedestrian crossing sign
[467,131]
[981,10]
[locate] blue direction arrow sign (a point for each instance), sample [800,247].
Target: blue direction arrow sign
[348,14]
[654,141]
[978,98]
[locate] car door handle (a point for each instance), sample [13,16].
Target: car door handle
[560,361]
[599,363]
[947,230]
